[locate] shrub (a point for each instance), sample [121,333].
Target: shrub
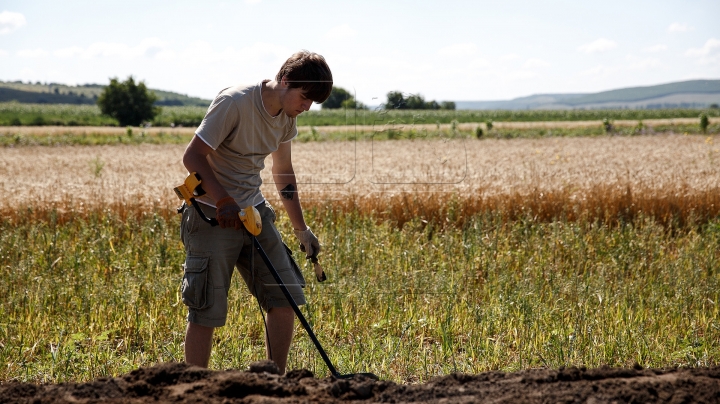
[129,103]
[704,122]
[608,125]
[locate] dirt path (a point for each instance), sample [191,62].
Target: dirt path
[178,383]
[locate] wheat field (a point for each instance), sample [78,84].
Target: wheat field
[451,255]
[582,173]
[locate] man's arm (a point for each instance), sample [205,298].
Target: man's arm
[195,160]
[286,184]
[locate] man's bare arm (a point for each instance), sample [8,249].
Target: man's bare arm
[286,184]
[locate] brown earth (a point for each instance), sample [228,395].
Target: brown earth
[179,383]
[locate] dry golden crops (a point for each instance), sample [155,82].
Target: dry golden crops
[661,175]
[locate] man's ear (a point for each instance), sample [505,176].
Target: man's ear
[283,82]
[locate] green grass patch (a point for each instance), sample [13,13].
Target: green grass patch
[90,295]
[416,117]
[15,114]
[71,138]
[88,137]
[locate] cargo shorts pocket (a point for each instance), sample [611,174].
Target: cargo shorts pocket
[197,287]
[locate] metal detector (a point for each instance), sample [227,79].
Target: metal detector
[250,217]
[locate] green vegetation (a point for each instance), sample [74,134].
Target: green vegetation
[341,98]
[80,136]
[131,104]
[704,122]
[16,114]
[90,295]
[409,117]
[12,113]
[70,138]
[398,100]
[56,93]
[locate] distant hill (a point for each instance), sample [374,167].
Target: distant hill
[54,93]
[684,94]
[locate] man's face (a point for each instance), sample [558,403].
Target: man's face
[294,102]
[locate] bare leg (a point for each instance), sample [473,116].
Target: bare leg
[280,325]
[198,344]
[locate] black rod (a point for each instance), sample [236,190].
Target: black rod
[295,307]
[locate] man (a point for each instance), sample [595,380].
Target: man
[242,126]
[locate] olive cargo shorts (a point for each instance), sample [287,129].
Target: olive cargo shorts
[212,253]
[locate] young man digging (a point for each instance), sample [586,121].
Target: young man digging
[242,126]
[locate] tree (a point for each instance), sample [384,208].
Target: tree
[352,103]
[336,98]
[341,98]
[396,100]
[447,105]
[129,103]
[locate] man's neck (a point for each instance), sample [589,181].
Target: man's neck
[271,97]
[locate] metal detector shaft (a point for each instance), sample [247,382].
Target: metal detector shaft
[295,307]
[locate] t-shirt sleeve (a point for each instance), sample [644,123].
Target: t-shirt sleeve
[220,120]
[291,133]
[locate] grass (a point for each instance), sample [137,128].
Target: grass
[97,294]
[376,117]
[91,136]
[549,252]
[18,136]
[16,114]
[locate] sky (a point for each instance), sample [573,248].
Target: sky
[443,50]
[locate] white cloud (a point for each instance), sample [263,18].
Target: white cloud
[458,49]
[509,56]
[32,53]
[252,1]
[709,54]
[636,63]
[10,21]
[598,45]
[677,27]
[68,52]
[340,32]
[478,63]
[3,53]
[655,48]
[148,47]
[535,63]
[712,45]
[601,70]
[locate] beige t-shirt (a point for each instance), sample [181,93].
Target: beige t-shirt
[242,133]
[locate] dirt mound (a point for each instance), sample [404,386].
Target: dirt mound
[179,383]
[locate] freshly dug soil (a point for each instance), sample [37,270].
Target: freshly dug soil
[179,383]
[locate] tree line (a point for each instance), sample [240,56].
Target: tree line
[341,98]
[132,103]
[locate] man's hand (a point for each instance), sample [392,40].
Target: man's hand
[309,244]
[227,213]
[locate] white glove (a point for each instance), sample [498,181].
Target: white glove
[309,244]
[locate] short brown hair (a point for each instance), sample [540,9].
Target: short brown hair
[308,71]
